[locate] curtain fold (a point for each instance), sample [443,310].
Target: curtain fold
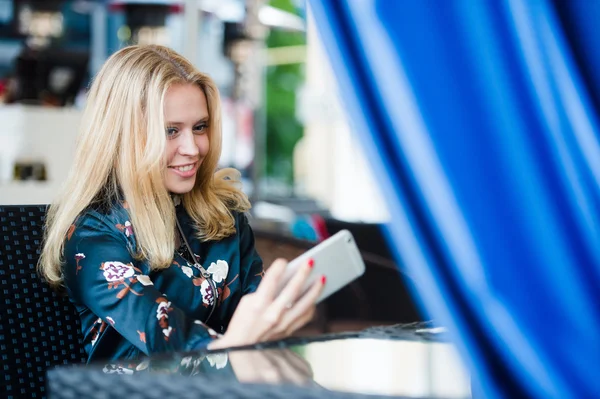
[480,120]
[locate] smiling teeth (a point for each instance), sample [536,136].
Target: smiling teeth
[185,168]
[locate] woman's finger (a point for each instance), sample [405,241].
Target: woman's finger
[267,289]
[293,289]
[300,313]
[300,322]
[248,323]
[309,298]
[275,312]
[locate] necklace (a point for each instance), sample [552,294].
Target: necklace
[187,255]
[191,258]
[195,263]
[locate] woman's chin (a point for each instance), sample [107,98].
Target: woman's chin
[181,188]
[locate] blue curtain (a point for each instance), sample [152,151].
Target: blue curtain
[480,120]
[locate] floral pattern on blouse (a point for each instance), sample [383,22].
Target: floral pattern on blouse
[126,228]
[128,311]
[208,294]
[218,270]
[162,314]
[78,257]
[98,327]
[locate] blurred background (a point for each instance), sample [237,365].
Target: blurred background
[283,128]
[283,125]
[482,118]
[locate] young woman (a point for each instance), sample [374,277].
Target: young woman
[151,241]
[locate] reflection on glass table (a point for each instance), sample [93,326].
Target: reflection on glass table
[407,368]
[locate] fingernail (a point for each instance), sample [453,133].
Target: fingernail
[323,279]
[311,263]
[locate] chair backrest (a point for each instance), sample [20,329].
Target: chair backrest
[39,328]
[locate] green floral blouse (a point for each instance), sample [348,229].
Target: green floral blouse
[127,311]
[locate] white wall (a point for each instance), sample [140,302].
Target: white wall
[329,163]
[31,133]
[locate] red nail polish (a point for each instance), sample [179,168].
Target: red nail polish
[311,263]
[323,279]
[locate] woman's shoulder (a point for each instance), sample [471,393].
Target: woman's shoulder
[104,218]
[241,226]
[241,219]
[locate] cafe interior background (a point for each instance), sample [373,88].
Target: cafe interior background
[283,128]
[290,127]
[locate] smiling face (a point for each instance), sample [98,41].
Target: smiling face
[186,118]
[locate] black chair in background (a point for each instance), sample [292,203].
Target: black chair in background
[39,329]
[383,292]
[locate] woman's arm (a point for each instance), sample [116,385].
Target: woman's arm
[251,264]
[101,274]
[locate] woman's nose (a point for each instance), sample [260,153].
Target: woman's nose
[188,145]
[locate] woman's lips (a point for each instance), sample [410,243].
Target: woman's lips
[185,171]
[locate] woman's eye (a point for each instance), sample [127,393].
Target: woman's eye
[200,128]
[171,131]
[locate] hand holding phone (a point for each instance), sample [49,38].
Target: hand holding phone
[337,258]
[285,299]
[269,313]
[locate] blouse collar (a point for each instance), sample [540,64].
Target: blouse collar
[176,199]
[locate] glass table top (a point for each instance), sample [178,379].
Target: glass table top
[413,368]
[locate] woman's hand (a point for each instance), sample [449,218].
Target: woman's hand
[264,315]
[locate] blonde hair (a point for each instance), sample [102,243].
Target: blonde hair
[120,154]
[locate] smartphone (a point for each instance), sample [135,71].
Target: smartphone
[337,258]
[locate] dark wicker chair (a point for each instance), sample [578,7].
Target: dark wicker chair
[39,329]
